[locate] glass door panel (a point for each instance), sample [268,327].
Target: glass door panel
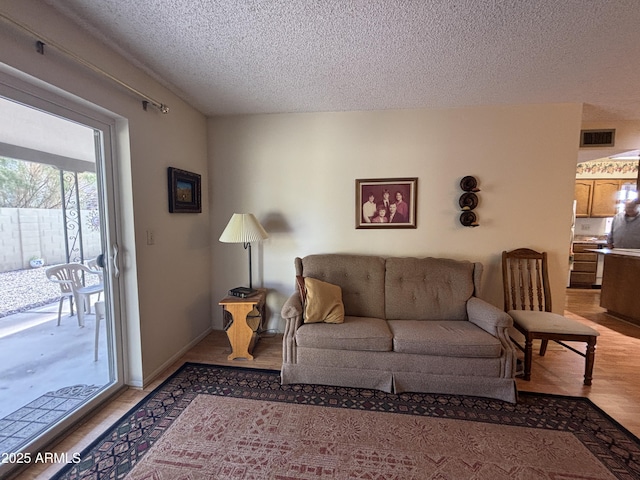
[59,331]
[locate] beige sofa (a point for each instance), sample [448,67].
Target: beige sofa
[410,325]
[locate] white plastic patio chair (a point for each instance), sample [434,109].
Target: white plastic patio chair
[95,268]
[71,278]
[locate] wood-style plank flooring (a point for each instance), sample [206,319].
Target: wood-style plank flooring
[615,388]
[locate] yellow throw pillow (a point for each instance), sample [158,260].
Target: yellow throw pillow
[324,302]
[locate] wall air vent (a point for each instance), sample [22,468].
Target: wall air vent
[597,138]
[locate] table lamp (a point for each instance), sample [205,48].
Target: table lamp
[244,228]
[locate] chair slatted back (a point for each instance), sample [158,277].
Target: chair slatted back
[525,280]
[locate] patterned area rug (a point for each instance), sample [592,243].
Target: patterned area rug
[217,422]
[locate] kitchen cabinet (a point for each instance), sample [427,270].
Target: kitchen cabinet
[584,190]
[604,198]
[599,197]
[627,186]
[585,264]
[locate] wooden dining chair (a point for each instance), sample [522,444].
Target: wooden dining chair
[527,299]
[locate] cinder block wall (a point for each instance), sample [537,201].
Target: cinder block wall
[33,232]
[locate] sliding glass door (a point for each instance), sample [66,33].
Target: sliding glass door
[60,336]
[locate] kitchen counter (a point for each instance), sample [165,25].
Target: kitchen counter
[599,239]
[623,252]
[620,281]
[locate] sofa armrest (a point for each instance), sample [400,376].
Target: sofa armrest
[488,317]
[292,316]
[496,322]
[292,307]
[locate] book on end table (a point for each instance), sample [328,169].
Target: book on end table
[242,292]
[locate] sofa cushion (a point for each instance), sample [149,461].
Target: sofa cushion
[455,338]
[399,362]
[323,302]
[361,278]
[356,333]
[428,288]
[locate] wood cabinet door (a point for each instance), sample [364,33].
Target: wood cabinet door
[604,197]
[627,187]
[584,190]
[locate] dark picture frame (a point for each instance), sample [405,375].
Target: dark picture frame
[185,191]
[402,193]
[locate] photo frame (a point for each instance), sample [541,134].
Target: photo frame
[396,196]
[185,191]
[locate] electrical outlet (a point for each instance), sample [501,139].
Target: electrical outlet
[151,237]
[585,227]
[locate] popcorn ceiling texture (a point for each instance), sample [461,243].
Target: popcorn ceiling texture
[265,56]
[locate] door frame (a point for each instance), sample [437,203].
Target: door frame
[22,88]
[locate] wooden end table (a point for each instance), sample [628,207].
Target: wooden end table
[242,331]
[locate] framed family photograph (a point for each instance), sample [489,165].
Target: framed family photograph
[184,191]
[386,202]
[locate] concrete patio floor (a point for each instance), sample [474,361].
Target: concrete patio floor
[37,356]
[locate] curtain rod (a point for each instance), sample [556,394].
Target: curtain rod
[44,41]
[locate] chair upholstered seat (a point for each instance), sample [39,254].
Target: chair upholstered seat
[549,322]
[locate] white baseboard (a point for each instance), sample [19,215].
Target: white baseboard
[153,375]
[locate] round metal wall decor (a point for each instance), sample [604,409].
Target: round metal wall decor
[469,184]
[469,201]
[468,219]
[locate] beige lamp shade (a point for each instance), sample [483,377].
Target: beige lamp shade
[243,228]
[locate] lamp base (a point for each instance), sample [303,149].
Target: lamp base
[242,292]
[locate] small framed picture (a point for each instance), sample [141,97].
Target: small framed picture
[386,203]
[184,191]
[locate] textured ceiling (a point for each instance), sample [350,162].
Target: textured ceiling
[264,56]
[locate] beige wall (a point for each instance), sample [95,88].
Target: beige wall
[167,284]
[297,172]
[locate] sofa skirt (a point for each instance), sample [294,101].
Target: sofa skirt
[399,382]
[395,372]
[499,388]
[339,377]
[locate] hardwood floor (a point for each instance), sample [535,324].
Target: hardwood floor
[615,388]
